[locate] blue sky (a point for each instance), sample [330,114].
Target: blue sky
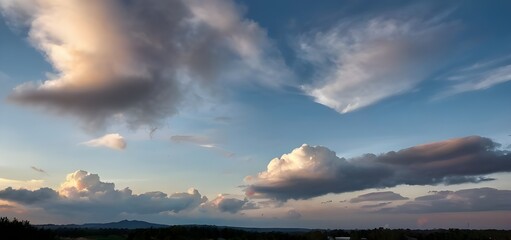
[293,113]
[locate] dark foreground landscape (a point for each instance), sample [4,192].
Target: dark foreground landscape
[133,230]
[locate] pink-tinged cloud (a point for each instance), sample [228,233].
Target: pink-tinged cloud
[310,171]
[138,61]
[226,203]
[112,140]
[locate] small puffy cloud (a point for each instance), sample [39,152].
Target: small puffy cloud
[362,60]
[224,203]
[112,140]
[141,60]
[84,193]
[466,200]
[310,171]
[378,196]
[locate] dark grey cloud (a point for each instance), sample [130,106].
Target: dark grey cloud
[311,171]
[37,169]
[293,214]
[377,205]
[139,61]
[378,196]
[25,196]
[467,200]
[84,193]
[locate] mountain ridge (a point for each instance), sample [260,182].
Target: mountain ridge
[124,224]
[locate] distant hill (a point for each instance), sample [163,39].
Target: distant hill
[124,224]
[134,224]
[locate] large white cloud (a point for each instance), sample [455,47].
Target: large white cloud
[362,60]
[139,60]
[310,171]
[112,140]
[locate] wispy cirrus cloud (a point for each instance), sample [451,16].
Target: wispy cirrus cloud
[112,140]
[139,60]
[310,171]
[201,141]
[478,76]
[27,184]
[363,60]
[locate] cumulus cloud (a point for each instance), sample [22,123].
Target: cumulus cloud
[84,193]
[138,60]
[466,200]
[112,140]
[378,196]
[224,203]
[363,60]
[310,171]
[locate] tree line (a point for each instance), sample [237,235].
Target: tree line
[22,230]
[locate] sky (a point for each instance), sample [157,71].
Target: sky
[332,114]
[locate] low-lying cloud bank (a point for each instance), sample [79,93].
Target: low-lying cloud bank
[378,196]
[466,200]
[311,171]
[84,193]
